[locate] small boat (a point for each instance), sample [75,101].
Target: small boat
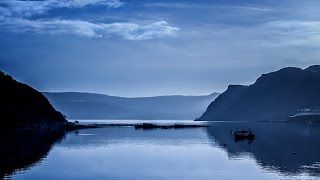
[241,135]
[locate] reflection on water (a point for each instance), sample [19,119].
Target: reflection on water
[195,153]
[291,148]
[24,149]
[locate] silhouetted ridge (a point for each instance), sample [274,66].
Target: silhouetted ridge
[22,105]
[274,96]
[314,68]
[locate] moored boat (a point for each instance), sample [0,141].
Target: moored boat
[244,134]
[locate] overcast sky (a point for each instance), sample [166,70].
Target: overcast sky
[146,48]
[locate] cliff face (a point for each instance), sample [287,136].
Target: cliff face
[274,96]
[21,105]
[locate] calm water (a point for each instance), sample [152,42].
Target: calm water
[200,153]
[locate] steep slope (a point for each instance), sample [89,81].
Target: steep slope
[274,96]
[21,105]
[224,102]
[97,106]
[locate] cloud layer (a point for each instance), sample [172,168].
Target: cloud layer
[129,31]
[28,8]
[16,16]
[205,6]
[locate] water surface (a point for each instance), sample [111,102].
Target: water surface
[191,153]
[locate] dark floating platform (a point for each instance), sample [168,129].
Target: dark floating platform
[148,126]
[174,126]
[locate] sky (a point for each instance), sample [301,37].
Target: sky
[136,48]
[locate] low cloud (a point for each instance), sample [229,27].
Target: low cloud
[18,16]
[133,31]
[19,8]
[206,6]
[129,31]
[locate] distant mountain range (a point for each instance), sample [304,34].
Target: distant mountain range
[98,106]
[287,93]
[22,106]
